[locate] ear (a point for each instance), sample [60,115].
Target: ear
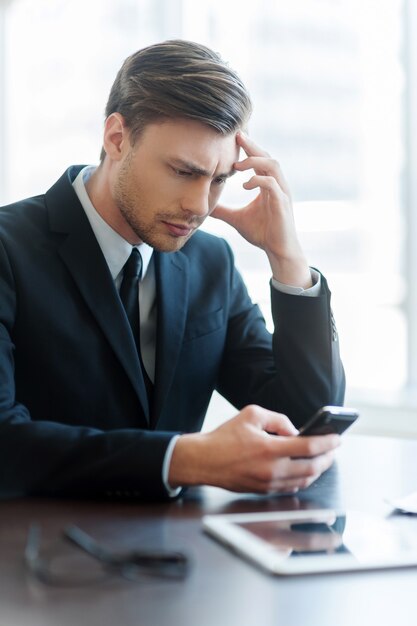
[116,137]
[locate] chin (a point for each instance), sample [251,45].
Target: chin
[174,247]
[166,244]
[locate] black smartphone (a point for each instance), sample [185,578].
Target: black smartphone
[329,419]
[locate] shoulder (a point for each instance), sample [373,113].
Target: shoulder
[21,217]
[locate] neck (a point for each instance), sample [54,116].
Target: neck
[99,190]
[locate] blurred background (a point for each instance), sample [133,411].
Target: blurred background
[334,88]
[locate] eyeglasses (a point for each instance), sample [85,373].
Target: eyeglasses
[94,563]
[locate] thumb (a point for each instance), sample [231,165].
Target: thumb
[279,424]
[272,422]
[226,214]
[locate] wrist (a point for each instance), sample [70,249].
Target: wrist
[187,462]
[292,271]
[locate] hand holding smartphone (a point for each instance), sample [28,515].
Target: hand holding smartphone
[329,419]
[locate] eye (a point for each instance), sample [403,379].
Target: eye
[219,181]
[183,173]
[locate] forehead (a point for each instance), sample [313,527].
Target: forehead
[189,141]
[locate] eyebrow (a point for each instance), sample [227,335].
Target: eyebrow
[200,171]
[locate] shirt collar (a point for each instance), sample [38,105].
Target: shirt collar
[115,249]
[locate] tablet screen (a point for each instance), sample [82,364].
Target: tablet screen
[317,541]
[319,534]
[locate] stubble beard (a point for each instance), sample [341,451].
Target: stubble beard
[129,204]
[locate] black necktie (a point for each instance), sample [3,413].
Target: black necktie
[129,295]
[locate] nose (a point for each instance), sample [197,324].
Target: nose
[196,199]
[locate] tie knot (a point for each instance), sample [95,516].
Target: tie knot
[133,266]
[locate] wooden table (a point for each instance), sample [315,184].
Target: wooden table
[221,589]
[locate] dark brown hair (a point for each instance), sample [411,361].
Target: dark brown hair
[178,79]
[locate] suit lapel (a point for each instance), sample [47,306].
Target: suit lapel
[172,277]
[84,260]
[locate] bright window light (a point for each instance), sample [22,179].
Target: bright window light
[327,81]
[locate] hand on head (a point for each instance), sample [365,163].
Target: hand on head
[268,221]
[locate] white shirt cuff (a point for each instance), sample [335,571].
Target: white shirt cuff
[165,468]
[312,292]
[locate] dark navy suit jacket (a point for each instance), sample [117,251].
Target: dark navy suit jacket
[74,417]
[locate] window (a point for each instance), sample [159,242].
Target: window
[328,82]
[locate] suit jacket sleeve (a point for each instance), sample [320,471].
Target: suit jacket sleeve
[296,370]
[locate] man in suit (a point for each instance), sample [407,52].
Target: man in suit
[118,320]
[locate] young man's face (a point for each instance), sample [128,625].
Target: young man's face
[171,180]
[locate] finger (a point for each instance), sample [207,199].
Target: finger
[304,447]
[261,165]
[310,468]
[281,485]
[228,215]
[287,474]
[281,425]
[232,217]
[264,165]
[272,422]
[249,146]
[302,471]
[299,477]
[268,183]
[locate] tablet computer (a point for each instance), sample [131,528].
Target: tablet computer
[315,541]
